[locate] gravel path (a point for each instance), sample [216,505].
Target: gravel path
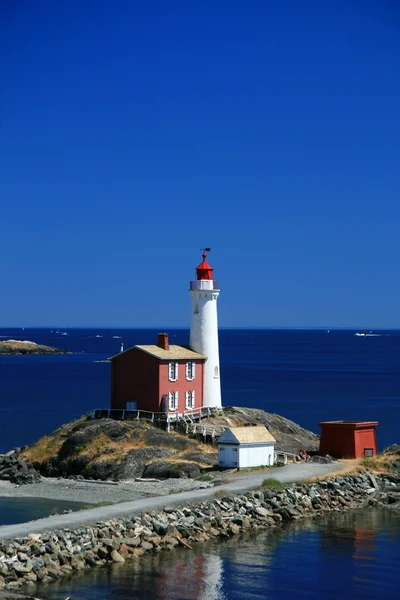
[237,484]
[95,492]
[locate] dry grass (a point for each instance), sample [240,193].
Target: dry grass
[350,466]
[355,466]
[103,449]
[47,447]
[379,464]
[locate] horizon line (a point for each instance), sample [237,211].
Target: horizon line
[180,327]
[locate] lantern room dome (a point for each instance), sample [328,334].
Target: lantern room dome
[204,270]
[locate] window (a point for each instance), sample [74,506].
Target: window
[172,371]
[190,370]
[173,400]
[368,451]
[216,373]
[189,400]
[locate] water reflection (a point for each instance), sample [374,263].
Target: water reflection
[353,555]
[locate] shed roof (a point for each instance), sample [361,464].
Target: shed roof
[349,424]
[174,352]
[250,435]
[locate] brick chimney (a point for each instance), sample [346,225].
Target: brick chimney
[163,341]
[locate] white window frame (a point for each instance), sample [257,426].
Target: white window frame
[172,400]
[190,371]
[173,371]
[189,400]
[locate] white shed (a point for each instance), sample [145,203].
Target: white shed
[244,447]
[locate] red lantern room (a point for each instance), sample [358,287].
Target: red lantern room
[204,270]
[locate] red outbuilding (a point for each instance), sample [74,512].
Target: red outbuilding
[348,439]
[157,378]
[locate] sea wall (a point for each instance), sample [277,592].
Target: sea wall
[51,555]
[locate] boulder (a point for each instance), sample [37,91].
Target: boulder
[392,449]
[133,464]
[200,457]
[175,470]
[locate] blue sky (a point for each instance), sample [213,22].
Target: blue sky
[132,134]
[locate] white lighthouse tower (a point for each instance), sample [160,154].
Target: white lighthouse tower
[204,293]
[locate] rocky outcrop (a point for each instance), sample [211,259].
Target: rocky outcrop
[49,556]
[13,468]
[109,449]
[162,469]
[392,449]
[26,347]
[289,436]
[106,449]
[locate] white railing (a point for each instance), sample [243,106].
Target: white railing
[191,415]
[285,455]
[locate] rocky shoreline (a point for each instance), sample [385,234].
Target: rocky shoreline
[49,556]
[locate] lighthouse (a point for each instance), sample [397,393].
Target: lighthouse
[204,293]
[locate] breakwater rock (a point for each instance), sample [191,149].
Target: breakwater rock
[13,468]
[49,556]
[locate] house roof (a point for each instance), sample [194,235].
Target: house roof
[174,352]
[251,435]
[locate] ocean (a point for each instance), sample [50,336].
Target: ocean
[353,555]
[305,375]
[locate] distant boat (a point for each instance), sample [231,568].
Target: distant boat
[117,337]
[99,336]
[366,334]
[64,333]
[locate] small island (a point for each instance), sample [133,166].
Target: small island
[27,347]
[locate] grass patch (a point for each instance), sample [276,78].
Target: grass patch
[382,463]
[221,494]
[204,478]
[273,484]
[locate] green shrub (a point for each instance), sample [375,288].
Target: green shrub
[204,478]
[273,484]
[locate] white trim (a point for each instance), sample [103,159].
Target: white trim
[172,371]
[172,400]
[190,370]
[189,400]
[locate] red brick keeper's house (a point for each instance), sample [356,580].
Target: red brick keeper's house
[157,378]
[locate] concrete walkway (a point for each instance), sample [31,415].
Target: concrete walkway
[238,483]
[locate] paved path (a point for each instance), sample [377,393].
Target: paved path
[237,484]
